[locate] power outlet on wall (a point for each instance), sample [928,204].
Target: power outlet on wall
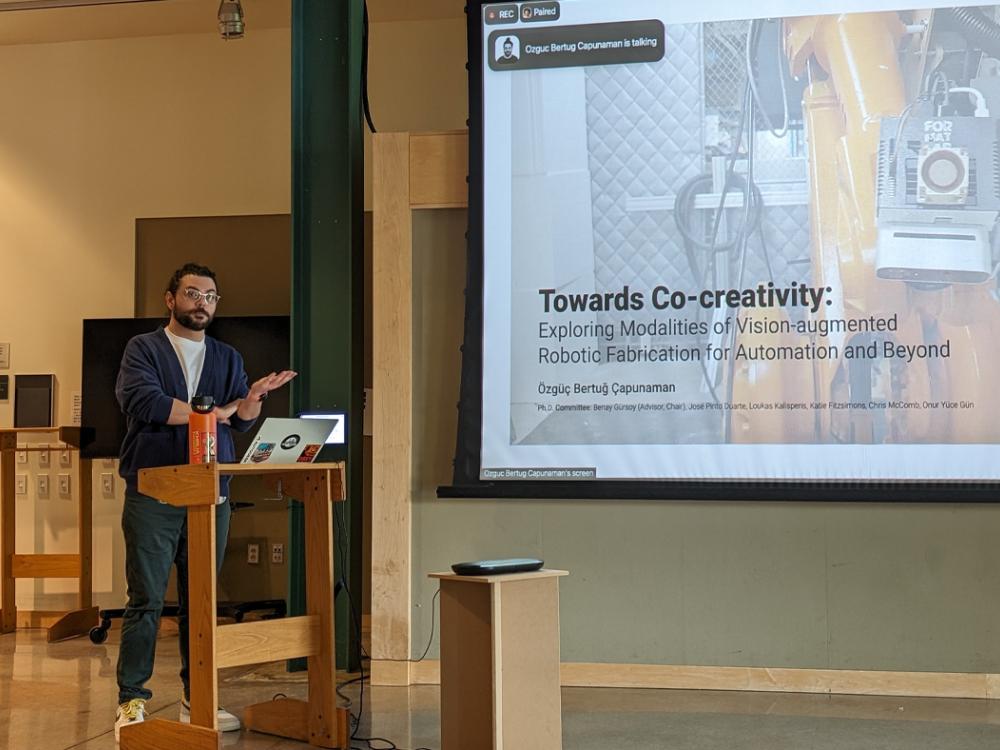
[65,486]
[65,458]
[43,485]
[108,484]
[278,553]
[253,553]
[21,484]
[44,459]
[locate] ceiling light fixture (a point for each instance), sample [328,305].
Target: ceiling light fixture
[231,19]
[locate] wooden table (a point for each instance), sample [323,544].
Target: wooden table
[13,566]
[500,661]
[318,720]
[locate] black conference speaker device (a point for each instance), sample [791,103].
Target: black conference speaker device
[497,567]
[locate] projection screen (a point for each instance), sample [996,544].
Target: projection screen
[706,247]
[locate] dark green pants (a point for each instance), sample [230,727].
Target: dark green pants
[155,539]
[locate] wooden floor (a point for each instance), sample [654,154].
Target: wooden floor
[61,696]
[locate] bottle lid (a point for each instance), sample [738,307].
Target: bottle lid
[203,404]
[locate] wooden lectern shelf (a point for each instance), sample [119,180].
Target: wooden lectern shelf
[76,622]
[191,485]
[318,721]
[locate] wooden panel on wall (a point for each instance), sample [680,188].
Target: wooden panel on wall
[439,164]
[758,680]
[250,254]
[392,384]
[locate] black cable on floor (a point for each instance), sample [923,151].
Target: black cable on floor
[340,531]
[87,741]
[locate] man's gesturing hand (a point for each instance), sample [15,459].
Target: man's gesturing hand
[268,383]
[249,408]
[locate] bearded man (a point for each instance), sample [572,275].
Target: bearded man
[160,374]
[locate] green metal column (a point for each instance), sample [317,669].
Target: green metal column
[327,269]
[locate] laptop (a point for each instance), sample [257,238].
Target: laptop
[289,441]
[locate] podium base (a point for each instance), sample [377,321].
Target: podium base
[73,624]
[289,718]
[161,734]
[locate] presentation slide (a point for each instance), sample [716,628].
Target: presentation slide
[729,248]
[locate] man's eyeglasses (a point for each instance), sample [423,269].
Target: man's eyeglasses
[194,295]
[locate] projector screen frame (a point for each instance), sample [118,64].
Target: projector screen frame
[466,482]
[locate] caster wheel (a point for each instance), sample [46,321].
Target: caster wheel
[98,635]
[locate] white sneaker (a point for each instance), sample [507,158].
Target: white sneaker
[226,721]
[132,712]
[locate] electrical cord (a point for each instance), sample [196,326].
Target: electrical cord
[427,648]
[766,250]
[935,90]
[365,104]
[747,207]
[684,209]
[389,744]
[931,90]
[430,640]
[340,528]
[87,741]
[731,167]
[341,531]
[727,426]
[752,46]
[981,109]
[701,361]
[713,245]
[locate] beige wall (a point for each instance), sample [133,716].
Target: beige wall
[863,586]
[92,136]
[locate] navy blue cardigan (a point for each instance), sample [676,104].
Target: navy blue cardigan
[149,379]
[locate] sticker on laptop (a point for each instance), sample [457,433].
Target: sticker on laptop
[308,453]
[262,452]
[290,442]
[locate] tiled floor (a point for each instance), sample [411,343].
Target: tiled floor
[61,696]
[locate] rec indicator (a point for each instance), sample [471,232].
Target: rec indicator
[497,14]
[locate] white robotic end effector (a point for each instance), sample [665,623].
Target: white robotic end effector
[935,254]
[938,197]
[941,252]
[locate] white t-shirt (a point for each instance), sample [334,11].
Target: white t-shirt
[192,357]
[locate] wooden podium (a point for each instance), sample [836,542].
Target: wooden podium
[500,661]
[13,566]
[318,720]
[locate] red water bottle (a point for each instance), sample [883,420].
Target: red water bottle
[202,430]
